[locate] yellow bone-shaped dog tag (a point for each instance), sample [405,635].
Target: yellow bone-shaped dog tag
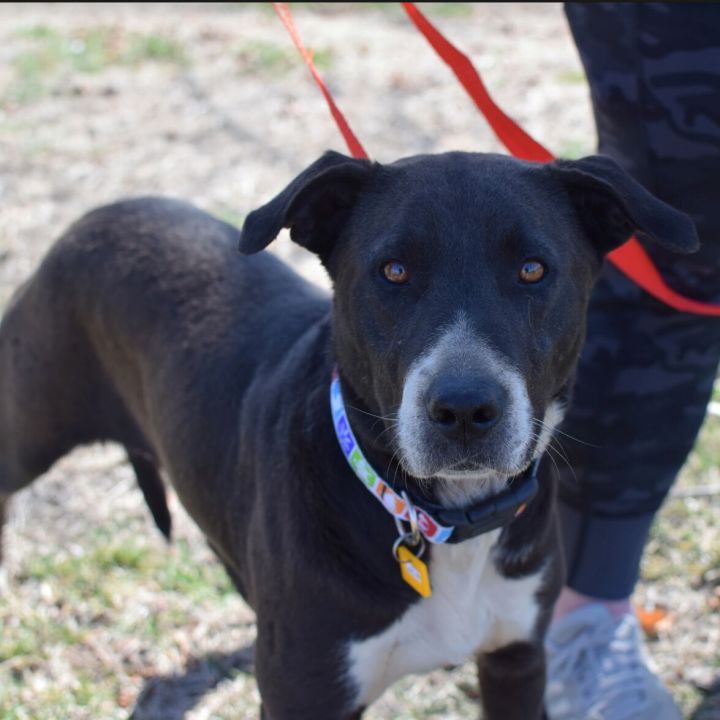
[414,571]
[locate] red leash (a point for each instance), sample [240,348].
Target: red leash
[510,134]
[356,149]
[631,258]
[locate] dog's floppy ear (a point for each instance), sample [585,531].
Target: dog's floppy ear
[315,205]
[611,206]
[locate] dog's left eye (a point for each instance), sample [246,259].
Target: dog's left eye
[395,272]
[532,271]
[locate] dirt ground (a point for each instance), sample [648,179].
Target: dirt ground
[210,103]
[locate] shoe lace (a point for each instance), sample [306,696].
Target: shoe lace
[605,664]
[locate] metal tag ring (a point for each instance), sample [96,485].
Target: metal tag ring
[414,526]
[408,537]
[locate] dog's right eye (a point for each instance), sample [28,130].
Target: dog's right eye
[532,271]
[395,272]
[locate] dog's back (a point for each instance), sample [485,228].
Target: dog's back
[86,311]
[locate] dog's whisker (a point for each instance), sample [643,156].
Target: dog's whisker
[553,452]
[577,439]
[383,432]
[397,469]
[389,418]
[554,462]
[565,434]
[558,448]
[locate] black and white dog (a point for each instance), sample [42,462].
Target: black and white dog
[460,288]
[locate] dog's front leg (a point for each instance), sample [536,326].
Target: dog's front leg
[512,682]
[264,715]
[299,669]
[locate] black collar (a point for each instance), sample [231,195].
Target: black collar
[487,514]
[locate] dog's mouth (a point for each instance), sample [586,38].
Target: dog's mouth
[470,469]
[465,469]
[440,461]
[466,482]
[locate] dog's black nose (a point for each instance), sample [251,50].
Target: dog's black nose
[464,410]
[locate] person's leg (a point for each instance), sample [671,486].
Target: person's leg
[646,372]
[644,381]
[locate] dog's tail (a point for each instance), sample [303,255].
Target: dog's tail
[153,489]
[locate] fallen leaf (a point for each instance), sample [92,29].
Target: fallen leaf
[126,697]
[654,620]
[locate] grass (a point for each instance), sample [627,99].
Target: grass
[683,553]
[230,216]
[54,658]
[127,560]
[574,149]
[704,460]
[269,58]
[48,56]
[28,638]
[571,77]
[51,703]
[716,392]
[686,532]
[179,574]
[441,10]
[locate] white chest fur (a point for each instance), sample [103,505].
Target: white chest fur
[472,608]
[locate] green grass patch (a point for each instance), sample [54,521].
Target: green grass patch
[93,595]
[574,149]
[154,47]
[449,10]
[179,573]
[230,216]
[716,391]
[262,57]
[706,455]
[29,637]
[683,534]
[102,573]
[571,77]
[77,575]
[48,56]
[441,10]
[85,695]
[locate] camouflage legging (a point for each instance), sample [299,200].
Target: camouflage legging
[647,371]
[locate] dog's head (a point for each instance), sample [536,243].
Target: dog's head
[461,286]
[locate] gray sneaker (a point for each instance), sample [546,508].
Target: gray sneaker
[597,670]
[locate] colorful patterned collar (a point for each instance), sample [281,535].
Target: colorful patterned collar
[437,524]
